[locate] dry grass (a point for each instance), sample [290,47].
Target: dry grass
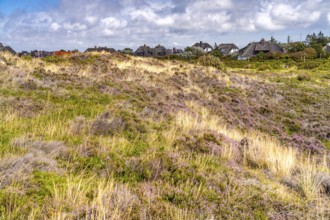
[153,157]
[260,151]
[179,214]
[267,152]
[87,199]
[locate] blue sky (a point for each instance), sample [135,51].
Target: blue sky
[7,7]
[78,24]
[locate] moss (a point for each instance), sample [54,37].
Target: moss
[179,199]
[327,144]
[54,59]
[291,125]
[260,215]
[91,164]
[43,185]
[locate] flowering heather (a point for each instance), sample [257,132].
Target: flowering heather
[110,136]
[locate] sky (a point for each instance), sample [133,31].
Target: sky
[79,24]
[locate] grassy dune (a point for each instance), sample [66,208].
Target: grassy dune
[108,136]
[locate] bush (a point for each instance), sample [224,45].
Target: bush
[309,65]
[196,51]
[186,55]
[210,60]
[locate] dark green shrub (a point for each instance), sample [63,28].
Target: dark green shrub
[309,65]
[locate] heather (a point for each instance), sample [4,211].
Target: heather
[111,136]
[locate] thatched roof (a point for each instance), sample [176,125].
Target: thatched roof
[326,49]
[254,48]
[100,49]
[161,51]
[144,51]
[227,48]
[203,45]
[148,51]
[7,48]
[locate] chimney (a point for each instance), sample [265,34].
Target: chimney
[200,43]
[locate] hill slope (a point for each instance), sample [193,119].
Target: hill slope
[100,136]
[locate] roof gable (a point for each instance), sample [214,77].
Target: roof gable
[227,48]
[203,45]
[254,48]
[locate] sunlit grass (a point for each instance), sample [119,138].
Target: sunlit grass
[152,173]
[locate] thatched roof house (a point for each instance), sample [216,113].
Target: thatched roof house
[146,51]
[7,48]
[41,54]
[177,51]
[205,46]
[161,50]
[326,49]
[228,49]
[100,49]
[252,49]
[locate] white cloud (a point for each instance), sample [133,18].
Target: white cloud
[92,20]
[74,26]
[280,15]
[210,5]
[113,23]
[55,26]
[151,21]
[111,26]
[151,16]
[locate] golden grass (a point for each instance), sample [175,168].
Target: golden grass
[267,152]
[175,213]
[91,198]
[262,151]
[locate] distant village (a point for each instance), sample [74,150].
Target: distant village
[317,44]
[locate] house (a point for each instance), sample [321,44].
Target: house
[23,53]
[158,51]
[7,48]
[100,49]
[326,49]
[228,49]
[144,51]
[177,51]
[161,51]
[205,46]
[41,54]
[254,48]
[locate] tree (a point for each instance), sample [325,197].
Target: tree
[272,39]
[310,53]
[261,56]
[127,51]
[216,53]
[317,41]
[296,47]
[314,39]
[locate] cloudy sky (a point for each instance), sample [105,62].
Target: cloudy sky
[78,24]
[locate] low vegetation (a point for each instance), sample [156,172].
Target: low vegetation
[110,136]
